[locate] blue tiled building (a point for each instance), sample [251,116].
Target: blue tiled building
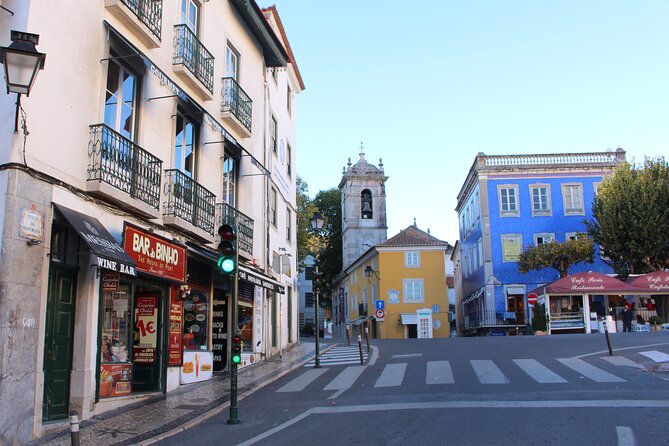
[510,202]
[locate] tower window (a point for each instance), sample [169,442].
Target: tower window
[366,204]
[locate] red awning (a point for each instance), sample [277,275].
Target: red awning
[589,283]
[656,282]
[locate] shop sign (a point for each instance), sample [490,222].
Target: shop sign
[154,254]
[174,348]
[115,380]
[198,366]
[146,327]
[110,281]
[31,224]
[259,281]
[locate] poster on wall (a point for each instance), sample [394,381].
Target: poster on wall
[197,366]
[174,336]
[115,380]
[146,330]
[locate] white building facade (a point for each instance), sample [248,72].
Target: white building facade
[152,124]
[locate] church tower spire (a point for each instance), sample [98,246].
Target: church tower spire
[363,204]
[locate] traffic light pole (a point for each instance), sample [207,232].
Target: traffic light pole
[234,278]
[317,361]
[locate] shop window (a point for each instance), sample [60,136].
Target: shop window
[116,337]
[246,326]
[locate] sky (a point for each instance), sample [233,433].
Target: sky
[427,85]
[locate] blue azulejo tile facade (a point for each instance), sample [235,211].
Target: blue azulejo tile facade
[507,204]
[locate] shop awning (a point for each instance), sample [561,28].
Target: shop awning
[260,279]
[656,282]
[409,318]
[588,283]
[109,252]
[472,297]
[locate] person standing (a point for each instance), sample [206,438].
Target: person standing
[626,316]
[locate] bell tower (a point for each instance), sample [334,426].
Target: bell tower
[363,206]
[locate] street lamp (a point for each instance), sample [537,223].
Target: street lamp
[368,271]
[22,62]
[317,224]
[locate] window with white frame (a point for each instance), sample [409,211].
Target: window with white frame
[595,187]
[289,100]
[188,14]
[229,179]
[465,263]
[185,144]
[273,134]
[373,296]
[121,98]
[508,200]
[231,62]
[570,236]
[541,199]
[543,238]
[572,199]
[511,247]
[480,249]
[289,225]
[272,207]
[477,206]
[413,290]
[412,259]
[289,157]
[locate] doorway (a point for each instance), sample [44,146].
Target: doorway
[412,331]
[58,343]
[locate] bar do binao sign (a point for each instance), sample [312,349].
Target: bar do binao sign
[154,254]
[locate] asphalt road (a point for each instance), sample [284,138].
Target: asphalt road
[526,390]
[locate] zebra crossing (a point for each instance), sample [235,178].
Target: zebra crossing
[487,372]
[340,355]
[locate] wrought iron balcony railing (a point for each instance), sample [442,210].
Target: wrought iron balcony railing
[117,161]
[189,52]
[237,102]
[226,214]
[189,200]
[149,12]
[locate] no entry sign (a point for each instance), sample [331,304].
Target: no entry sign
[532,299]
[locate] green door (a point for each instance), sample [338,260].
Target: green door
[58,343]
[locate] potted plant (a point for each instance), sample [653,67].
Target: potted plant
[539,319]
[655,322]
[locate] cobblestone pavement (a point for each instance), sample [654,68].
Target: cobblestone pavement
[146,422]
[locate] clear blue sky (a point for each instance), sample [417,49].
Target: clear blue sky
[426,85]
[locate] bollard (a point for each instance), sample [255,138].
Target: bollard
[367,336]
[348,334]
[74,427]
[608,340]
[362,359]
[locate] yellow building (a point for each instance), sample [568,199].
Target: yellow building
[405,278]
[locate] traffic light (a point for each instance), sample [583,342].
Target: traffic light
[236,349]
[227,247]
[318,281]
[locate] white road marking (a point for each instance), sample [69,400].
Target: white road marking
[302,381]
[392,375]
[487,372]
[625,436]
[539,372]
[656,356]
[346,378]
[410,355]
[619,360]
[439,372]
[590,371]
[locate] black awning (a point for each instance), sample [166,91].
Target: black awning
[110,254]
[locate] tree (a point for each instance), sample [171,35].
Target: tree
[328,240]
[631,217]
[305,211]
[556,255]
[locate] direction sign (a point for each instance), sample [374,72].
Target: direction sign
[532,299]
[380,314]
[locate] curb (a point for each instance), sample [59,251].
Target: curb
[213,412]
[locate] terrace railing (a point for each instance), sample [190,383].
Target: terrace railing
[189,52]
[189,200]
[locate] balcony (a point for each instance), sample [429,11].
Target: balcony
[188,206]
[118,168]
[192,62]
[143,17]
[237,107]
[226,214]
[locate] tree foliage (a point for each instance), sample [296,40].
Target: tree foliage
[328,241]
[557,255]
[631,217]
[305,210]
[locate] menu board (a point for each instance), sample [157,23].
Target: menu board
[146,327]
[218,333]
[174,336]
[196,314]
[197,367]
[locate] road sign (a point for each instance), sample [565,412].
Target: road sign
[380,314]
[380,304]
[532,299]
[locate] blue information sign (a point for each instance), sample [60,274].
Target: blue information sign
[380,304]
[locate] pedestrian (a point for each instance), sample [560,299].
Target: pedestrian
[626,316]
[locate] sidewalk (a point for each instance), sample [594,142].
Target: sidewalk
[151,420]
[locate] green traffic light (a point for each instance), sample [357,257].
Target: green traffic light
[236,359]
[226,264]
